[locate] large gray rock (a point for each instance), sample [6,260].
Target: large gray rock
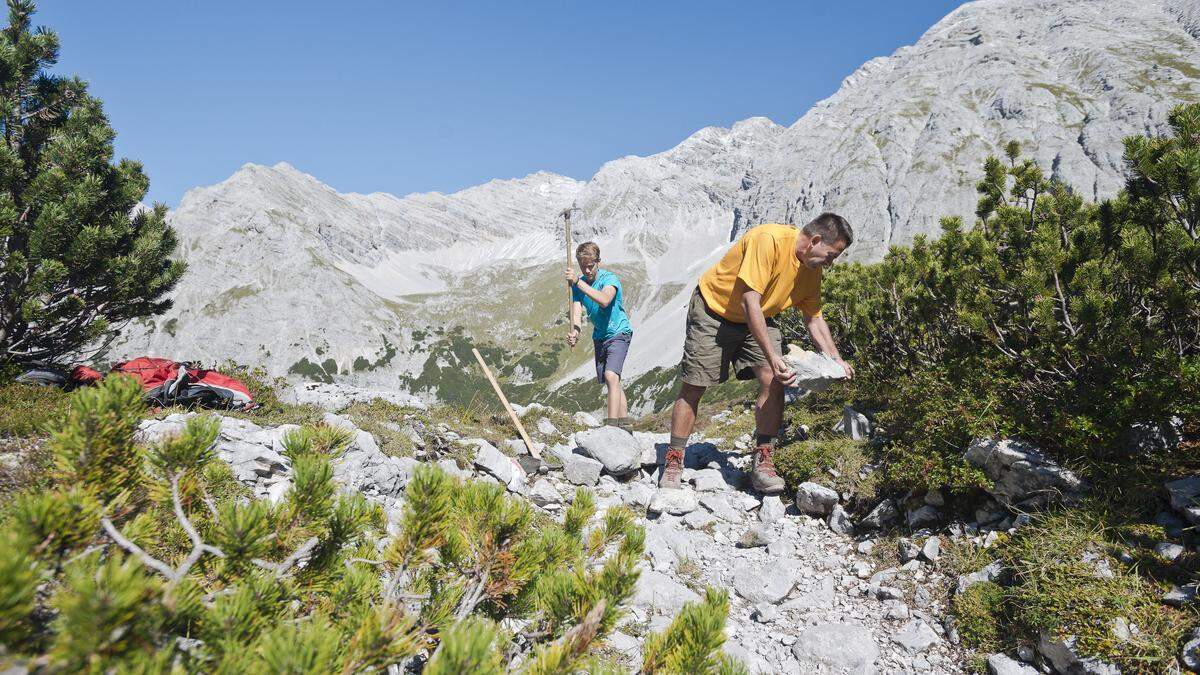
[661,594]
[1185,497]
[839,521]
[499,465]
[916,636]
[1002,664]
[764,583]
[853,424]
[577,469]
[814,372]
[815,499]
[837,648]
[615,448]
[1021,475]
[1063,654]
[1189,654]
[675,502]
[884,514]
[991,572]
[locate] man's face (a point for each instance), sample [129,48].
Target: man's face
[820,253]
[587,265]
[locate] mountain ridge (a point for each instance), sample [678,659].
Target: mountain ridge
[895,149]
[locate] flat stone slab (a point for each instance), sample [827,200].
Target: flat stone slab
[836,647]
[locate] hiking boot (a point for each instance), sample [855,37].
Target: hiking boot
[763,477]
[672,469]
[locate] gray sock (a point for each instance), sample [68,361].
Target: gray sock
[679,441]
[763,439]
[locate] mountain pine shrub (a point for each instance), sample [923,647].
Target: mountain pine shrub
[152,558]
[1054,319]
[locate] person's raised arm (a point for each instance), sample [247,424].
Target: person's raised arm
[819,330]
[752,306]
[603,297]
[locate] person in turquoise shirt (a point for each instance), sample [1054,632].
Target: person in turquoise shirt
[599,292]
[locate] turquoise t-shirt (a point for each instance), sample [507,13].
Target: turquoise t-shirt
[607,321]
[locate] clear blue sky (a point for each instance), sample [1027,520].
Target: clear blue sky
[405,97]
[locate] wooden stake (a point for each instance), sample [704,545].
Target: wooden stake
[507,406]
[566,214]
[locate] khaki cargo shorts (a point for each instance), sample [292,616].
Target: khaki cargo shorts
[713,343]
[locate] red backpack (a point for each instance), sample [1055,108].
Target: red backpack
[170,382]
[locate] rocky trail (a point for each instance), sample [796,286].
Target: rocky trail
[806,596]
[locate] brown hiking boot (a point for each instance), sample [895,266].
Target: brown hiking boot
[672,469]
[763,477]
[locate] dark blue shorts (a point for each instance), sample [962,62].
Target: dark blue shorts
[610,354]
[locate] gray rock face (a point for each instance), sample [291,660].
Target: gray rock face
[661,594]
[335,397]
[839,648]
[1022,475]
[854,424]
[815,499]
[617,450]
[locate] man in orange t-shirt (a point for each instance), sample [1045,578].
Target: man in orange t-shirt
[731,323]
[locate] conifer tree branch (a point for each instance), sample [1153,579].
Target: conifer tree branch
[146,558]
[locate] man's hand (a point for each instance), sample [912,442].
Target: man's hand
[849,368]
[573,337]
[571,277]
[782,372]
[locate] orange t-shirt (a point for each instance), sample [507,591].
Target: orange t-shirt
[764,260]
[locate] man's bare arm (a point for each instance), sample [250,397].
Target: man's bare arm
[603,297]
[752,306]
[819,330]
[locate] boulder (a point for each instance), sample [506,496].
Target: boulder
[772,509]
[577,469]
[836,647]
[499,465]
[1021,475]
[839,521]
[1002,664]
[764,583]
[916,636]
[815,499]
[1185,497]
[615,448]
[675,502]
[991,572]
[853,424]
[1063,654]
[884,514]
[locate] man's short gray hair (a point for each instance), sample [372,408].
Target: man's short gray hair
[832,228]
